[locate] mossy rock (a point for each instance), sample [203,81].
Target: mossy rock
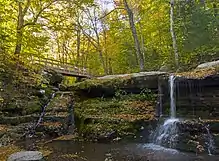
[106,119]
[108,85]
[17,120]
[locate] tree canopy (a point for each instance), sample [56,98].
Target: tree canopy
[111,37]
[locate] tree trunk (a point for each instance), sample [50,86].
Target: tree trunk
[173,33]
[78,46]
[135,35]
[215,9]
[102,60]
[100,53]
[105,47]
[142,41]
[20,23]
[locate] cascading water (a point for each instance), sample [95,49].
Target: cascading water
[210,141]
[44,110]
[167,133]
[172,97]
[33,130]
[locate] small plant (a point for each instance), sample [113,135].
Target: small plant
[120,94]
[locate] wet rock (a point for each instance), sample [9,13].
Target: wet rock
[117,139]
[55,79]
[105,137]
[52,129]
[26,156]
[40,93]
[193,136]
[108,157]
[17,120]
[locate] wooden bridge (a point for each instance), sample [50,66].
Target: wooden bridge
[66,69]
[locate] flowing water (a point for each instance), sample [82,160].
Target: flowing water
[33,129]
[172,97]
[167,133]
[44,110]
[210,141]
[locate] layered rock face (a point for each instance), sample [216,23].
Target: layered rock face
[108,85]
[117,107]
[197,105]
[198,97]
[22,107]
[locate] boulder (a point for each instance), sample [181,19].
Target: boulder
[52,78]
[209,64]
[26,156]
[55,79]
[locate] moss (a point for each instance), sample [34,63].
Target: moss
[100,116]
[104,83]
[59,103]
[199,73]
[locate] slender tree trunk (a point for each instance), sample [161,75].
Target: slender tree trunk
[78,46]
[20,23]
[142,41]
[173,33]
[135,35]
[110,66]
[101,53]
[105,47]
[102,60]
[215,9]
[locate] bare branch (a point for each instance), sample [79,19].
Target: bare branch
[107,14]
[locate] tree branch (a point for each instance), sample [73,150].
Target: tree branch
[38,15]
[107,14]
[26,8]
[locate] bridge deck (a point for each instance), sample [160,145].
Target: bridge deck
[62,68]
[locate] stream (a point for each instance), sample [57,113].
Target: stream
[68,150]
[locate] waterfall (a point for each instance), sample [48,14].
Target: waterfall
[33,130]
[44,110]
[172,97]
[167,133]
[210,141]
